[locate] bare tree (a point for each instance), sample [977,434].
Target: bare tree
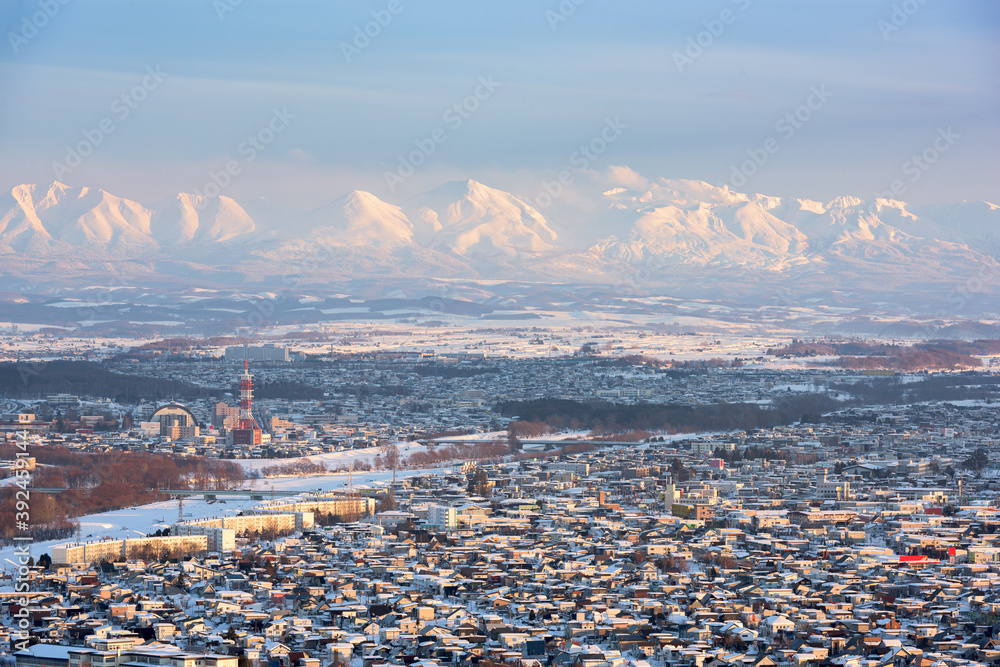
[390,454]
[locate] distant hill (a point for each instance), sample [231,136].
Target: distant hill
[41,379]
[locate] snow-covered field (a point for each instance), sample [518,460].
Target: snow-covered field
[334,460]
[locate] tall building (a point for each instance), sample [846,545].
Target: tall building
[442,517]
[225,416]
[265,352]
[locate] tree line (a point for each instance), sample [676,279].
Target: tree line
[607,417]
[40,379]
[102,482]
[887,390]
[85,378]
[867,355]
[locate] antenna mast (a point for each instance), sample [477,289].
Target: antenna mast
[246,420]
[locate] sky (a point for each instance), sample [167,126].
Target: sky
[302,102]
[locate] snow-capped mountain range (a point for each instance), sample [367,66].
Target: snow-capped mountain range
[667,231]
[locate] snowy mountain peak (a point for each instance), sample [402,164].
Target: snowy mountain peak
[845,201]
[679,192]
[360,218]
[187,218]
[363,198]
[74,216]
[467,217]
[469,229]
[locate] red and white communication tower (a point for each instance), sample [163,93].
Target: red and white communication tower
[246,398]
[247,432]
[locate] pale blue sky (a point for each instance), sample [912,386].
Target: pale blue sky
[891,93]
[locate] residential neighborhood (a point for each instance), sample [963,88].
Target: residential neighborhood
[872,539]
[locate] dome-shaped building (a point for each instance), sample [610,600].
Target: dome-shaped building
[176,421]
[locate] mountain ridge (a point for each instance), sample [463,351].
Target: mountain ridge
[692,230]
